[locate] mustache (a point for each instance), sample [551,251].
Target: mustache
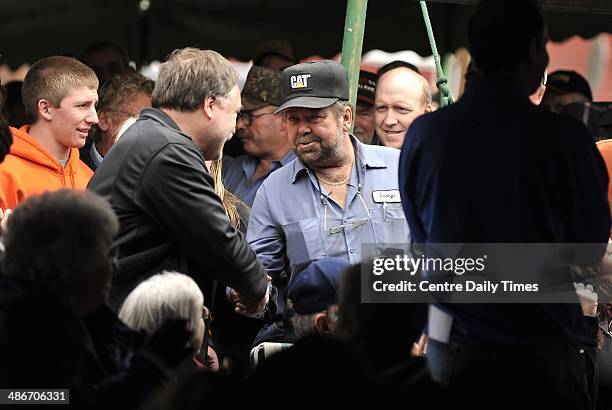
[307,139]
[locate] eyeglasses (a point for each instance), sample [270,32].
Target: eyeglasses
[248,118]
[353,224]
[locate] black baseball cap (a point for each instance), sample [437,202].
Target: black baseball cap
[569,82]
[316,84]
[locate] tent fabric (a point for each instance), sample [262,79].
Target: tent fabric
[31,29]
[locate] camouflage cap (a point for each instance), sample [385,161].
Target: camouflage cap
[262,87]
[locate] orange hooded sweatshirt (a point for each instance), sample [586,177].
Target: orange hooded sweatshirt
[28,169]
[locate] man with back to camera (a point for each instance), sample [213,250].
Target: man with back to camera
[59,96]
[157,183]
[483,171]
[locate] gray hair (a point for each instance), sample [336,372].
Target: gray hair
[338,108]
[303,325]
[168,295]
[189,75]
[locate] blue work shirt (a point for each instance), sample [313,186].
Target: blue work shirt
[287,225]
[237,176]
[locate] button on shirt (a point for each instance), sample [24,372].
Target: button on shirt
[237,176]
[287,226]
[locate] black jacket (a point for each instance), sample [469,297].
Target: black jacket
[44,345]
[170,217]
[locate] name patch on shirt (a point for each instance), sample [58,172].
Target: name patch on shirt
[389,196]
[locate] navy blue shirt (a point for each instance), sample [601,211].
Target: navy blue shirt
[493,168]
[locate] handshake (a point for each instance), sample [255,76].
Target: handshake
[588,299]
[250,308]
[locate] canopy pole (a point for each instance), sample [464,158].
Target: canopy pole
[442,82]
[354,26]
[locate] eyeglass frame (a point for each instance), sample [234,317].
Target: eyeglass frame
[248,118]
[340,227]
[356,223]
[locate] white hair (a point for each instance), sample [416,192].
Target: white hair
[168,295]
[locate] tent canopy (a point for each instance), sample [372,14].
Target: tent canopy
[31,29]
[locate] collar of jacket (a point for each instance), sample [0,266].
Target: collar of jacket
[158,115]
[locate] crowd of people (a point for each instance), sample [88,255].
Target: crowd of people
[148,264]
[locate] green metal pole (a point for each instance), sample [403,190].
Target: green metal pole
[442,84]
[354,26]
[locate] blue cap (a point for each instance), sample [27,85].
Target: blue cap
[316,287]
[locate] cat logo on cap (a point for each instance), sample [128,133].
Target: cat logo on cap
[301,82]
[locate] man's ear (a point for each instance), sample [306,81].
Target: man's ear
[207,106]
[347,119]
[283,121]
[103,121]
[428,107]
[44,109]
[321,324]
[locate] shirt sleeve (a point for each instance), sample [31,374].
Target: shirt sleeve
[266,237]
[10,191]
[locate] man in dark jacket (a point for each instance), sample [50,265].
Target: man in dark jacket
[492,168]
[157,182]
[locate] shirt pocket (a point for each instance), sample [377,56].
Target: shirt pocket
[303,241]
[390,225]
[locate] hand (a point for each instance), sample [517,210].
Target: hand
[588,299]
[419,348]
[212,361]
[249,308]
[170,343]
[4,217]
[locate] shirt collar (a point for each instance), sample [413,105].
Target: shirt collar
[249,163]
[366,156]
[289,156]
[95,155]
[159,116]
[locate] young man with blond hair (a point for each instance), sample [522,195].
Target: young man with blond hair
[59,96]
